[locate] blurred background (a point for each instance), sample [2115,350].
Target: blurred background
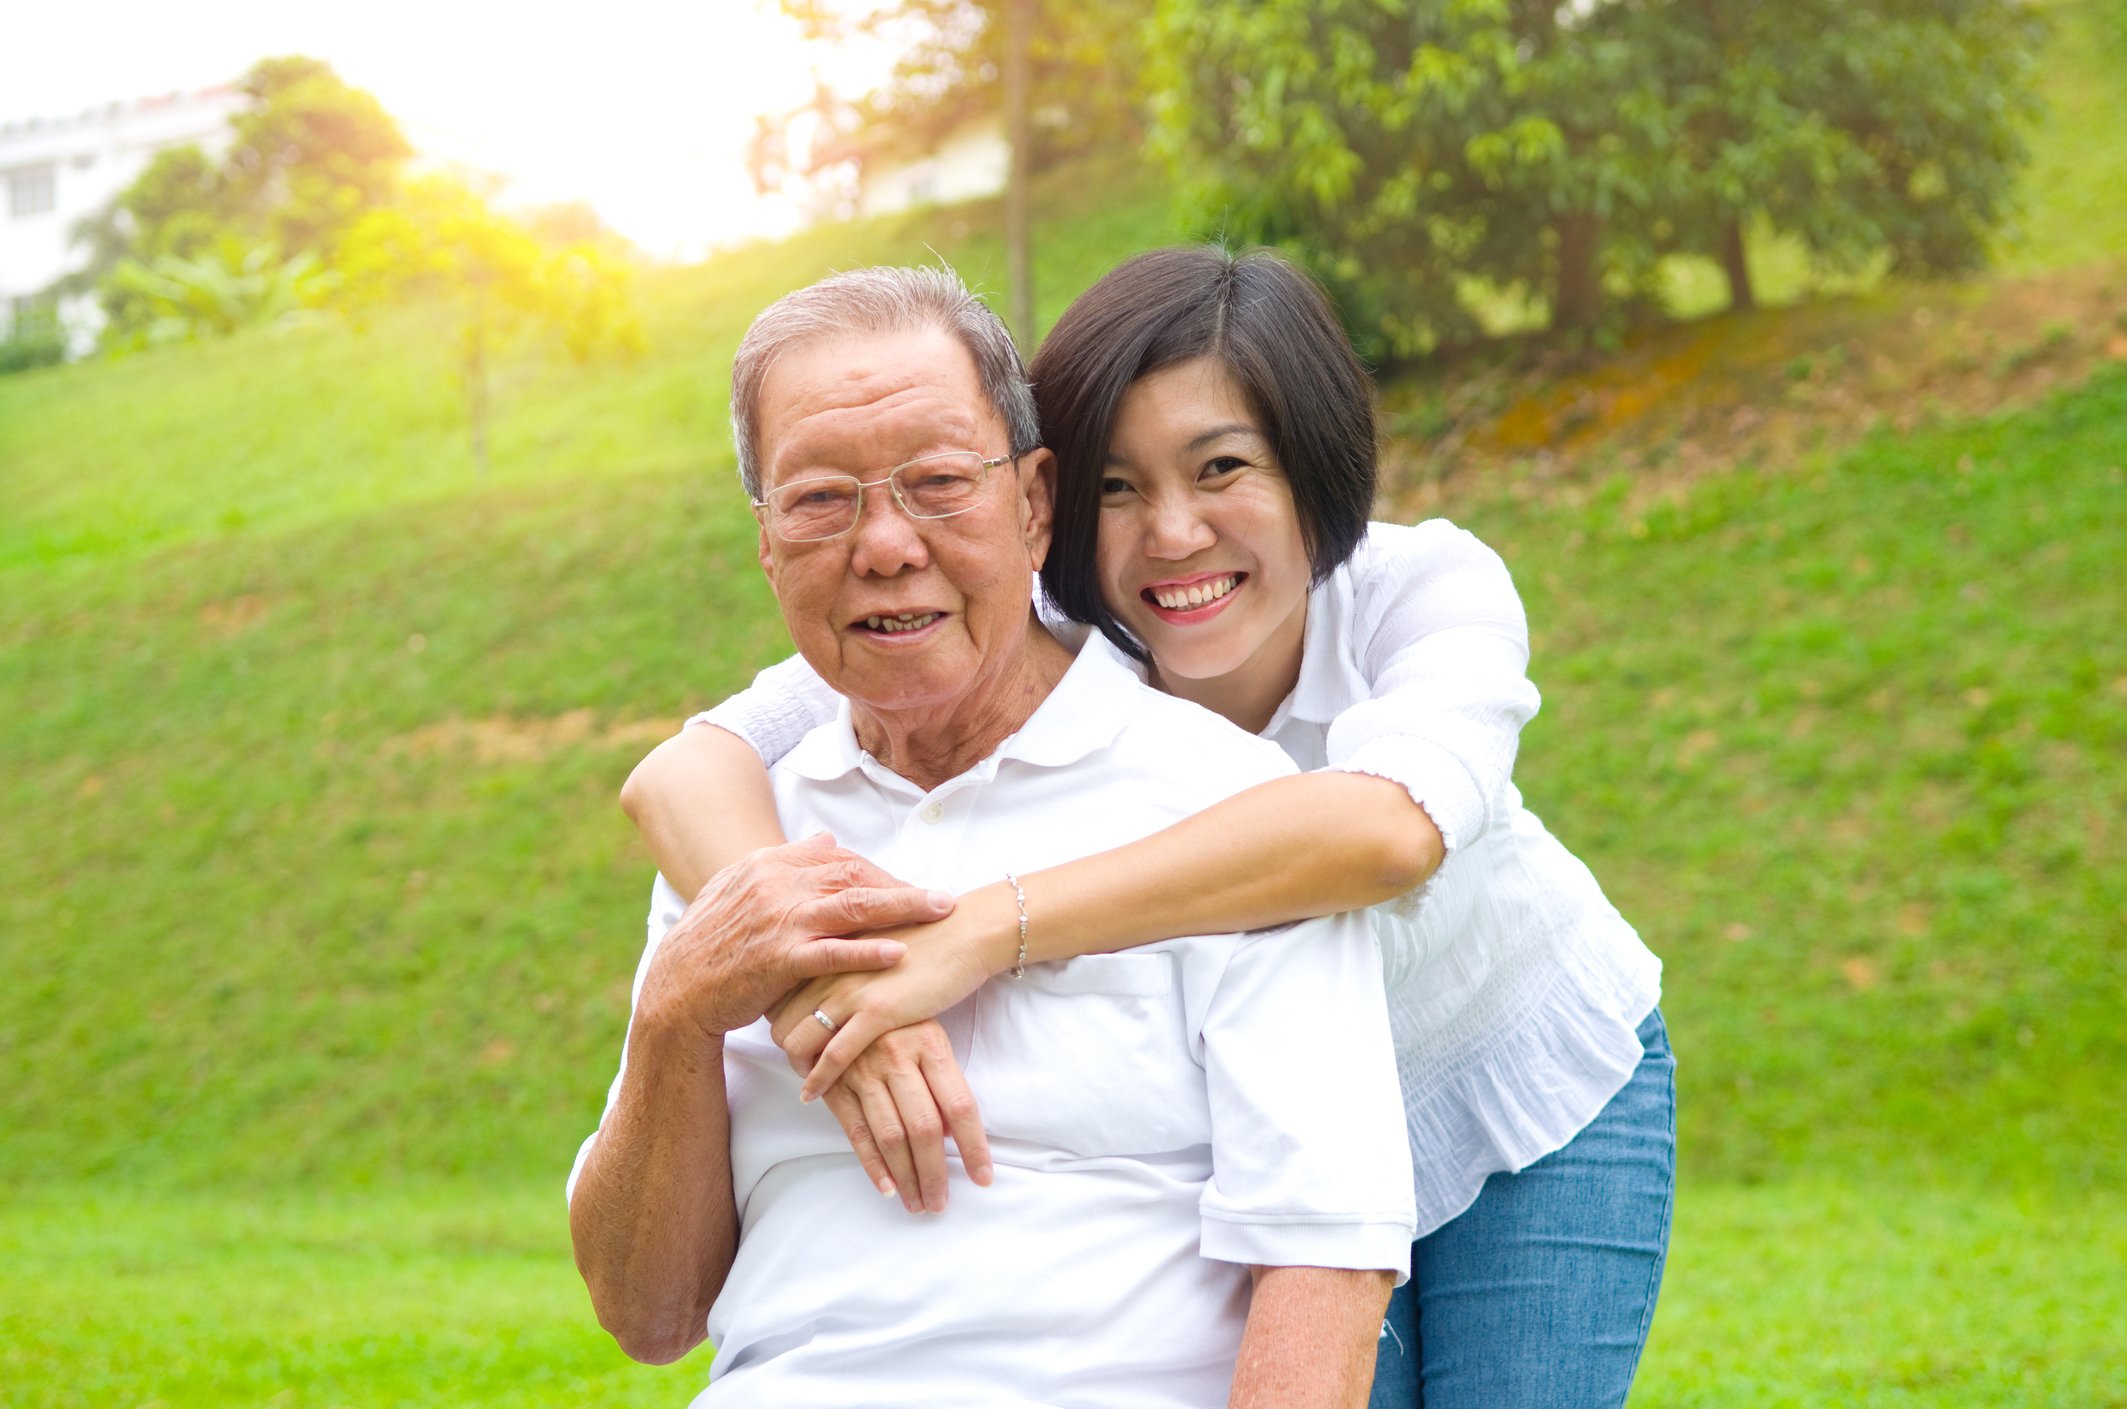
[367,509]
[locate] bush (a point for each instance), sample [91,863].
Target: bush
[31,347]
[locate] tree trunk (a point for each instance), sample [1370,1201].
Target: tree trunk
[1741,297]
[1580,290]
[476,392]
[1019,261]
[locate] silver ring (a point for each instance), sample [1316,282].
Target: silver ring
[823,1020]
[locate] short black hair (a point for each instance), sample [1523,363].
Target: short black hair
[1273,328]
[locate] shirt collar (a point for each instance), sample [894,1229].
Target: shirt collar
[1329,672]
[1081,716]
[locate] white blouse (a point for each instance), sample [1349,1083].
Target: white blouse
[1515,988]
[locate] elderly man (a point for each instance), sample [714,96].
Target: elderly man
[1197,1158]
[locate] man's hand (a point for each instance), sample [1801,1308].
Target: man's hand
[773,922]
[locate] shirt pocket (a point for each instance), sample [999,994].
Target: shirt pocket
[1089,1057]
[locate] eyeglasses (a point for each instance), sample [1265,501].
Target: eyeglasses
[827,506]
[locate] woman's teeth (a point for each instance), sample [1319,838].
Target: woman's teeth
[1181,599]
[905,622]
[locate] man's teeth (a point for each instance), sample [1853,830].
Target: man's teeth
[1177,599]
[906,621]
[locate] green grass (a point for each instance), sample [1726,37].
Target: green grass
[458,1296]
[448,1296]
[1814,1293]
[1846,743]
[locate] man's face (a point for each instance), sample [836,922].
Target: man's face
[860,405]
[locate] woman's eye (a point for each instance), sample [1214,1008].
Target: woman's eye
[1224,465]
[1115,486]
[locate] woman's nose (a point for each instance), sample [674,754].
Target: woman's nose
[1177,530]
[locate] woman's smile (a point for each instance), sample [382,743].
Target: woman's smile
[1187,601]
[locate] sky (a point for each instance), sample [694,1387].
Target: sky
[641,107]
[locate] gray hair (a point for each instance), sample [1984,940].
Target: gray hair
[881,300]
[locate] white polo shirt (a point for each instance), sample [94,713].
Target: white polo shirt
[1160,1119]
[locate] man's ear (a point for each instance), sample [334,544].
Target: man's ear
[1037,490]
[767,557]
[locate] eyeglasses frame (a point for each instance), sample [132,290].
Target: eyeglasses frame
[761,507]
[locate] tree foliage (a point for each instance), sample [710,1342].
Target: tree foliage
[308,157]
[1083,57]
[1407,147]
[310,154]
[214,294]
[440,242]
[1059,73]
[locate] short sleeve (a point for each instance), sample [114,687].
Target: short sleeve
[1310,1163]
[1443,645]
[784,703]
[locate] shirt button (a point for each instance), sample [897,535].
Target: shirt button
[933,811]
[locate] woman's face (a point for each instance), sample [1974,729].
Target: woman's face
[1200,552]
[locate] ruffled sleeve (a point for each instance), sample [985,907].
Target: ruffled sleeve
[784,703]
[1442,643]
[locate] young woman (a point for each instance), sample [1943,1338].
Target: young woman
[1215,464]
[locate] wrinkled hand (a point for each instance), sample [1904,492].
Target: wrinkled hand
[897,1102]
[770,923]
[946,960]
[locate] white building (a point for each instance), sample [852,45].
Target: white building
[971,161]
[55,171]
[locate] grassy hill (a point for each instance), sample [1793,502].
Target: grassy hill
[317,915]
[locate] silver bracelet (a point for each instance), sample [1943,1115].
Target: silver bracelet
[1019,967]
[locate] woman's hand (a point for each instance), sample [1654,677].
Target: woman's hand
[897,1102]
[946,960]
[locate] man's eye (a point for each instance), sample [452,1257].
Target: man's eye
[800,498]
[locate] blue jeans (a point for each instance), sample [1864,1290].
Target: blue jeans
[1539,1295]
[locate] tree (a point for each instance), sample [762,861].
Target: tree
[308,157]
[310,154]
[1387,145]
[175,208]
[1048,68]
[1407,147]
[1892,128]
[441,242]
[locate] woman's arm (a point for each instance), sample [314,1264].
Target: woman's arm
[701,800]
[1289,849]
